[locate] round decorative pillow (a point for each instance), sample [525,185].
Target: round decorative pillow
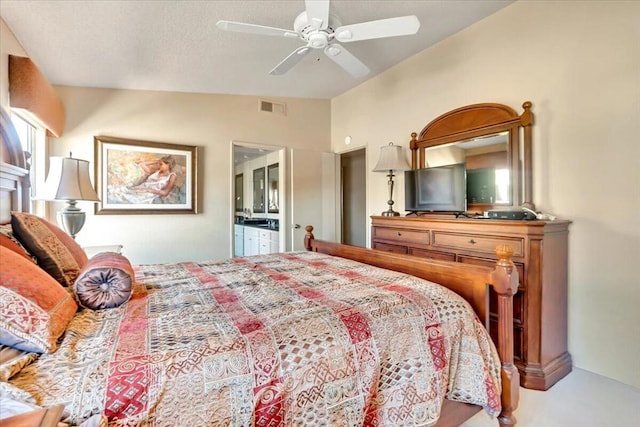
[105,282]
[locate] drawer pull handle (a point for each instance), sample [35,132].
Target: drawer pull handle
[399,233]
[473,242]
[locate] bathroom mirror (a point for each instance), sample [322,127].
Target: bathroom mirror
[273,173]
[258,190]
[239,192]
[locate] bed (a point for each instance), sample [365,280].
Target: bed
[335,335]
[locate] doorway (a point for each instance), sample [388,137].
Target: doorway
[353,178]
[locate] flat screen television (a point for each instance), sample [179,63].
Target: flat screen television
[436,189]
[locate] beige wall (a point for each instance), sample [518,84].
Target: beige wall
[579,63]
[210,122]
[9,46]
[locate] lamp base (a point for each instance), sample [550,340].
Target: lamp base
[390,213]
[72,219]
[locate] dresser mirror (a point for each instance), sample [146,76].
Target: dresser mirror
[273,174]
[486,138]
[486,160]
[258,190]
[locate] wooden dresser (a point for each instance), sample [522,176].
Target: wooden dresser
[540,255]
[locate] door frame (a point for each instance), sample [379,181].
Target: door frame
[284,202]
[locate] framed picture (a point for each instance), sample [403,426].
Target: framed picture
[143,177]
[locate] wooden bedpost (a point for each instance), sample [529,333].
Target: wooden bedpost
[308,238]
[505,284]
[413,146]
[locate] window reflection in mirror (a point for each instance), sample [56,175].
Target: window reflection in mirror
[239,192]
[258,190]
[273,172]
[487,162]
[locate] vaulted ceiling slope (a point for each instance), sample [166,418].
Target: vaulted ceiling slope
[175,45]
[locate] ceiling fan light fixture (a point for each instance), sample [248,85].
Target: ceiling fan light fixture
[344,35]
[318,40]
[333,50]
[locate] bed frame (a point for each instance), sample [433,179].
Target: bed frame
[472,283]
[469,281]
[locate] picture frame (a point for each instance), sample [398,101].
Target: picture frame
[134,177]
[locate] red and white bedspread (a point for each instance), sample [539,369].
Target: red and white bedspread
[283,339]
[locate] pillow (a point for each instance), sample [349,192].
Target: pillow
[13,360]
[105,282]
[34,308]
[8,240]
[57,253]
[15,247]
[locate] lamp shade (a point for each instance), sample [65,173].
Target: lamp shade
[391,159]
[68,179]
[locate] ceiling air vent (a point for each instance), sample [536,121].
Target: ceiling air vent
[273,107]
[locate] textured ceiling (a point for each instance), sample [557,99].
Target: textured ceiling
[176,46]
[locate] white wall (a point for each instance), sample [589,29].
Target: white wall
[579,63]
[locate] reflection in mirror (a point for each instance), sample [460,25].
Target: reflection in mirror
[486,159]
[258,190]
[239,192]
[272,179]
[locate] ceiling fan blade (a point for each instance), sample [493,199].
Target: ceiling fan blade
[291,60]
[346,60]
[391,27]
[241,27]
[318,13]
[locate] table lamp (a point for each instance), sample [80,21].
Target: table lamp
[68,179]
[391,159]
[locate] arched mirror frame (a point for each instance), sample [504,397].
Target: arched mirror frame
[477,120]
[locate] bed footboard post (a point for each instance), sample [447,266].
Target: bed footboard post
[308,238]
[505,284]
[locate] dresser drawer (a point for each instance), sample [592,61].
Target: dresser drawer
[398,249]
[443,256]
[480,243]
[518,298]
[402,236]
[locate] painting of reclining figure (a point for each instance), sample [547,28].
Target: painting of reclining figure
[136,177]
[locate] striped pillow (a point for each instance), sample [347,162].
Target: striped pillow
[105,282]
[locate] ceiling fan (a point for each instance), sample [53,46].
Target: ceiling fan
[322,30]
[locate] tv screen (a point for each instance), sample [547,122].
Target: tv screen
[437,189]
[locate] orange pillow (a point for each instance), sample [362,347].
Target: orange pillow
[57,253]
[10,244]
[9,240]
[34,308]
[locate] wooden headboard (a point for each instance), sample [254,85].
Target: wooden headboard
[14,171]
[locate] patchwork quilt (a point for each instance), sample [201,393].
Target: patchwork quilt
[294,339]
